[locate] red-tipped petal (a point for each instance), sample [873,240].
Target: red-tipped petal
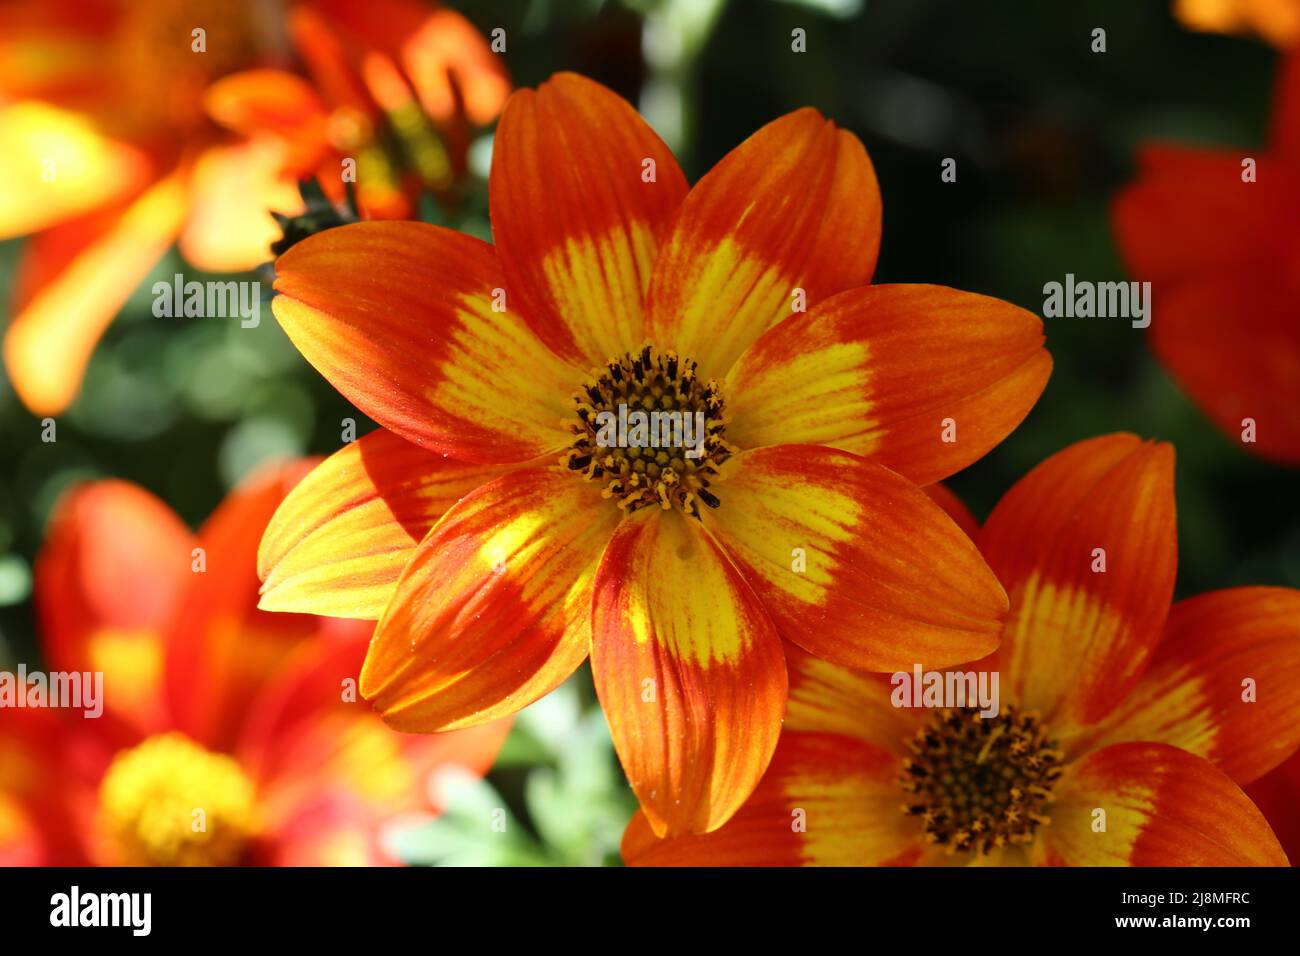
[576,217]
[339,542]
[854,563]
[1079,637]
[1163,807]
[794,207]
[400,317]
[825,801]
[1224,683]
[689,670]
[922,379]
[494,609]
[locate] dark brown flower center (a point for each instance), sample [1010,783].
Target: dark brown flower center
[980,783]
[651,432]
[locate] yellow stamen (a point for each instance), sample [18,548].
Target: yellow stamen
[170,802]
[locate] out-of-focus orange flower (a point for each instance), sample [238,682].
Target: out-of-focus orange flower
[1277,21]
[1277,793]
[1109,699]
[122,136]
[228,735]
[489,367]
[1223,256]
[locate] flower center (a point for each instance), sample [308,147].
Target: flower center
[980,783]
[651,432]
[170,802]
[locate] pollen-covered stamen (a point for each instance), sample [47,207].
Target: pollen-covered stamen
[980,783]
[170,802]
[651,432]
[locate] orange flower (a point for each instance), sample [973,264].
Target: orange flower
[209,706]
[494,570]
[1277,21]
[1109,700]
[118,142]
[1224,262]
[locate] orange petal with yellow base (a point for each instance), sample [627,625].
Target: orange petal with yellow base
[112,572]
[494,610]
[1224,683]
[882,371]
[1164,807]
[1087,549]
[854,563]
[786,220]
[72,281]
[400,317]
[339,542]
[581,190]
[825,801]
[689,671]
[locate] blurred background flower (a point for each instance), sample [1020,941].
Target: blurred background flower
[130,126]
[224,735]
[1044,133]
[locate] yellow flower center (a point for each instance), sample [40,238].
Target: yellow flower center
[170,802]
[980,783]
[651,432]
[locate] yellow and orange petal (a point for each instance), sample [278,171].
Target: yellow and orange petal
[825,801]
[855,563]
[790,217]
[921,379]
[1086,547]
[494,610]
[339,541]
[1224,683]
[581,193]
[412,324]
[1163,807]
[689,670]
[72,281]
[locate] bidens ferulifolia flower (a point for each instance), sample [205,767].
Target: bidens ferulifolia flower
[1124,730]
[1217,238]
[122,137]
[499,538]
[207,706]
